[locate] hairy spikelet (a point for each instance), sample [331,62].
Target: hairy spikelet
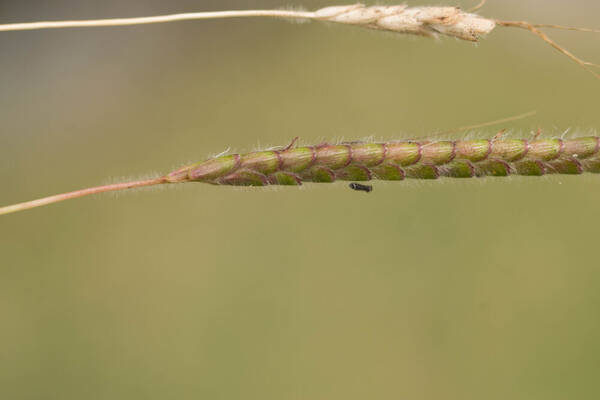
[394,161]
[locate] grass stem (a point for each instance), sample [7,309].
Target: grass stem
[79,193]
[154,19]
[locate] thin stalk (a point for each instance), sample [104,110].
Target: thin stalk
[79,193]
[534,29]
[566,28]
[154,19]
[486,124]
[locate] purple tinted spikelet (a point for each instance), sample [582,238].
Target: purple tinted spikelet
[394,161]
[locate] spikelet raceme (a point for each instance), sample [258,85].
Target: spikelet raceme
[395,161]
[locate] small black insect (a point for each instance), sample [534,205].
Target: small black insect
[362,188]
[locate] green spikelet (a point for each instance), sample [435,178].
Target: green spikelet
[396,161]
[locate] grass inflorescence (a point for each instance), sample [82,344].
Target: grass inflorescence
[422,21]
[364,161]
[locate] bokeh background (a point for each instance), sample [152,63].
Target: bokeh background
[440,290]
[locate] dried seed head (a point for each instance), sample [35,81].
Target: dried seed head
[426,21]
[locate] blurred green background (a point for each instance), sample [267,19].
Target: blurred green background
[439,290]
